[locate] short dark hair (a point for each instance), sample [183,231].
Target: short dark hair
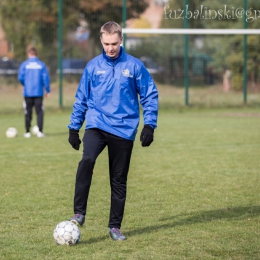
[31,50]
[111,28]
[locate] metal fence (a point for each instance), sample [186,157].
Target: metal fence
[66,33]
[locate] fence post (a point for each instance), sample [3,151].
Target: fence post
[60,49]
[124,20]
[186,55]
[245,56]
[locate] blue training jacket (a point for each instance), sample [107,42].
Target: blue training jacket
[34,76]
[107,96]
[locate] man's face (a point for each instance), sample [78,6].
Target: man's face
[111,44]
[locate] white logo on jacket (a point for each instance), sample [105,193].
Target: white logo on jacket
[126,73]
[33,66]
[101,72]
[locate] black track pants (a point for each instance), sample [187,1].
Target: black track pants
[29,103]
[119,155]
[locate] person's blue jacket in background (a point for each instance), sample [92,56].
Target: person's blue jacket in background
[107,96]
[34,76]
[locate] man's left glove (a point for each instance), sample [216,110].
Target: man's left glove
[146,136]
[74,139]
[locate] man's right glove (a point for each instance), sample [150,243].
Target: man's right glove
[74,139]
[146,136]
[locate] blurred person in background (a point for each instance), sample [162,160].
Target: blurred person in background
[227,80]
[107,98]
[34,77]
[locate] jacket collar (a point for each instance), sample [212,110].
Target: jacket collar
[33,58]
[117,59]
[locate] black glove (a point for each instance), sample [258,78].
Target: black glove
[74,139]
[146,136]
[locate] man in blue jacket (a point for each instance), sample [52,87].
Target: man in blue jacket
[34,76]
[107,98]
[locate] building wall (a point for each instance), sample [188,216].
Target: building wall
[153,14]
[3,44]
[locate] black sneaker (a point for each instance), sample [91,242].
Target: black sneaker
[116,234]
[78,219]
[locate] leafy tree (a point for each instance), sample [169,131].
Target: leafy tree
[226,50]
[36,21]
[29,22]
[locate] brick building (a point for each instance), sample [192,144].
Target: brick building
[153,15]
[3,44]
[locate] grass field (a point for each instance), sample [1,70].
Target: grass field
[194,194]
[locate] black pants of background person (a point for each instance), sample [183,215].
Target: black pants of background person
[29,103]
[119,155]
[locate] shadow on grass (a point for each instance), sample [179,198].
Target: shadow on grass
[94,240]
[228,214]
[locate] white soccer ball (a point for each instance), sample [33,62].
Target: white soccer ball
[35,130]
[11,132]
[66,233]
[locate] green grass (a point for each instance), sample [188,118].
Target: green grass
[194,194]
[170,97]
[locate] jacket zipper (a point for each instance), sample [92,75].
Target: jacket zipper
[113,68]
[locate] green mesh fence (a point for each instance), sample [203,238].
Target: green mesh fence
[214,60]
[209,58]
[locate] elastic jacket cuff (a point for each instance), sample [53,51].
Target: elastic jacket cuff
[72,131]
[149,127]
